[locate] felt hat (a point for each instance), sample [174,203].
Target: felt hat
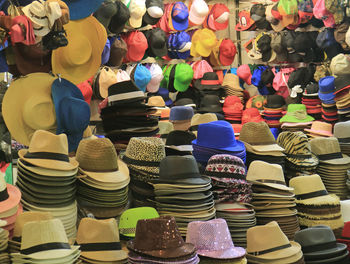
[320,128]
[180,113]
[10,197]
[79,9]
[328,151]
[49,151]
[81,58]
[296,113]
[23,110]
[341,132]
[179,143]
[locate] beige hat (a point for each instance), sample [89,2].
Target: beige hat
[347,37]
[340,65]
[263,173]
[328,151]
[156,101]
[106,78]
[137,10]
[345,210]
[198,119]
[342,132]
[319,128]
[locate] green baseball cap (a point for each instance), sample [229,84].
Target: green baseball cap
[183,77]
[166,75]
[128,220]
[296,113]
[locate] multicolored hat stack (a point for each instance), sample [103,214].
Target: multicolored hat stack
[181,191]
[56,175]
[146,247]
[326,94]
[103,180]
[333,165]
[311,100]
[342,96]
[296,118]
[4,238]
[342,133]
[231,190]
[315,206]
[273,109]
[272,199]
[233,109]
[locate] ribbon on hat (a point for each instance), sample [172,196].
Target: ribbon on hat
[4,195]
[295,90]
[257,253]
[298,114]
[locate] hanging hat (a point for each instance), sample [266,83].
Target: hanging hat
[81,58]
[183,77]
[203,42]
[137,45]
[227,52]
[79,9]
[244,21]
[218,17]
[156,78]
[179,16]
[155,10]
[106,11]
[137,10]
[119,50]
[141,76]
[119,20]
[198,11]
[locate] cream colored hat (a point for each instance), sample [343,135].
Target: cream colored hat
[345,210]
[198,119]
[328,151]
[340,65]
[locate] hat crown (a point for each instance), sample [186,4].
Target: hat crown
[307,184]
[156,101]
[181,113]
[97,155]
[231,81]
[316,235]
[326,84]
[44,141]
[328,145]
[155,149]
[198,119]
[209,235]
[260,170]
[179,138]
[342,130]
[257,133]
[179,12]
[226,165]
[29,216]
[294,143]
[178,167]
[321,126]
[37,8]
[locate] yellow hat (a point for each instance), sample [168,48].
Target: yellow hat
[214,55]
[81,58]
[27,110]
[205,41]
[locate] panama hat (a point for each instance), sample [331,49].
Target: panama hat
[49,151]
[10,196]
[81,58]
[79,9]
[328,151]
[27,110]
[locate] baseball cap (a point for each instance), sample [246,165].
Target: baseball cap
[179,16]
[322,13]
[275,23]
[203,42]
[199,68]
[156,78]
[183,77]
[245,22]
[137,10]
[218,17]
[198,12]
[181,43]
[118,21]
[142,77]
[137,45]
[157,42]
[154,11]
[227,52]
[244,73]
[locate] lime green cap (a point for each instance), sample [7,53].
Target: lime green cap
[183,77]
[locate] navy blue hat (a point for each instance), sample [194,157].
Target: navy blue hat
[181,113]
[325,40]
[182,44]
[326,89]
[163,92]
[72,112]
[171,51]
[79,9]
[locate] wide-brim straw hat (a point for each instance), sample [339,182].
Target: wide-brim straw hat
[81,58]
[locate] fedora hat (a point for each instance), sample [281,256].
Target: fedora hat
[99,160]
[79,9]
[24,109]
[99,240]
[179,143]
[150,231]
[198,119]
[49,151]
[328,151]
[81,58]
[10,196]
[320,128]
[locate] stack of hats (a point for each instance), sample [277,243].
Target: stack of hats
[273,109]
[211,104]
[99,241]
[251,115]
[296,118]
[315,206]
[208,143]
[272,199]
[143,156]
[45,242]
[209,84]
[272,248]
[319,245]
[103,181]
[213,242]
[311,100]
[345,235]
[299,158]
[145,248]
[342,96]
[233,109]
[198,119]
[157,102]
[179,143]
[231,191]
[232,87]
[333,165]
[326,94]
[125,98]
[181,117]
[342,133]
[319,129]
[47,178]
[181,191]
[261,144]
[4,239]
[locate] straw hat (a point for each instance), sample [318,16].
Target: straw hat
[99,240]
[49,151]
[27,110]
[81,58]
[320,128]
[198,119]
[10,196]
[328,151]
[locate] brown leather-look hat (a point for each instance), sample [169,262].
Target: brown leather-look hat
[159,237]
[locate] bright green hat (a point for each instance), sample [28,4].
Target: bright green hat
[128,220]
[296,113]
[183,77]
[166,75]
[288,7]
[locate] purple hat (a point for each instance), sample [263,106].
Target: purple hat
[179,16]
[213,239]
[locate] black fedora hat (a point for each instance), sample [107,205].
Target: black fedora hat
[274,101]
[210,104]
[179,142]
[209,81]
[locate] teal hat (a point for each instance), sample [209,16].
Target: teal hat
[296,113]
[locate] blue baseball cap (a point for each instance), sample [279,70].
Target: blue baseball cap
[106,52]
[142,77]
[171,52]
[179,16]
[182,44]
[326,89]
[163,92]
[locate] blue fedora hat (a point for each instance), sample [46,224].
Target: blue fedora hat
[79,9]
[180,113]
[218,135]
[72,112]
[326,89]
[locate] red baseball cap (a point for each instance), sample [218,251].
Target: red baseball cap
[244,21]
[137,45]
[218,17]
[86,90]
[227,52]
[244,73]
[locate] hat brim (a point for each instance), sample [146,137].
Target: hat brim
[319,132]
[342,161]
[190,181]
[228,253]
[13,199]
[180,26]
[265,148]
[292,119]
[79,9]
[237,148]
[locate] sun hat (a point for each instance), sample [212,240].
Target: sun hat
[203,42]
[179,16]
[137,45]
[244,21]
[320,128]
[155,10]
[10,197]
[328,151]
[213,239]
[296,113]
[218,17]
[159,229]
[81,58]
[72,112]
[99,240]
[198,12]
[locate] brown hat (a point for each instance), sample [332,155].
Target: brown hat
[118,52]
[160,237]
[339,35]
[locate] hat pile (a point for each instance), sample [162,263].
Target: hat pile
[125,98]
[273,110]
[213,242]
[296,118]
[231,86]
[342,96]
[103,180]
[143,156]
[208,143]
[233,108]
[319,129]
[181,191]
[326,94]
[319,245]
[4,239]
[299,158]
[47,178]
[311,100]
[333,165]
[210,84]
[231,190]
[274,248]
[341,132]
[315,206]
[45,241]
[272,199]
[261,144]
[146,247]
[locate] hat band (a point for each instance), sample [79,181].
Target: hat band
[298,114]
[125,96]
[217,174]
[130,230]
[47,155]
[346,238]
[141,162]
[257,253]
[45,247]
[4,195]
[194,128]
[179,176]
[100,246]
[329,156]
[298,156]
[271,181]
[319,247]
[210,82]
[311,195]
[38,17]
